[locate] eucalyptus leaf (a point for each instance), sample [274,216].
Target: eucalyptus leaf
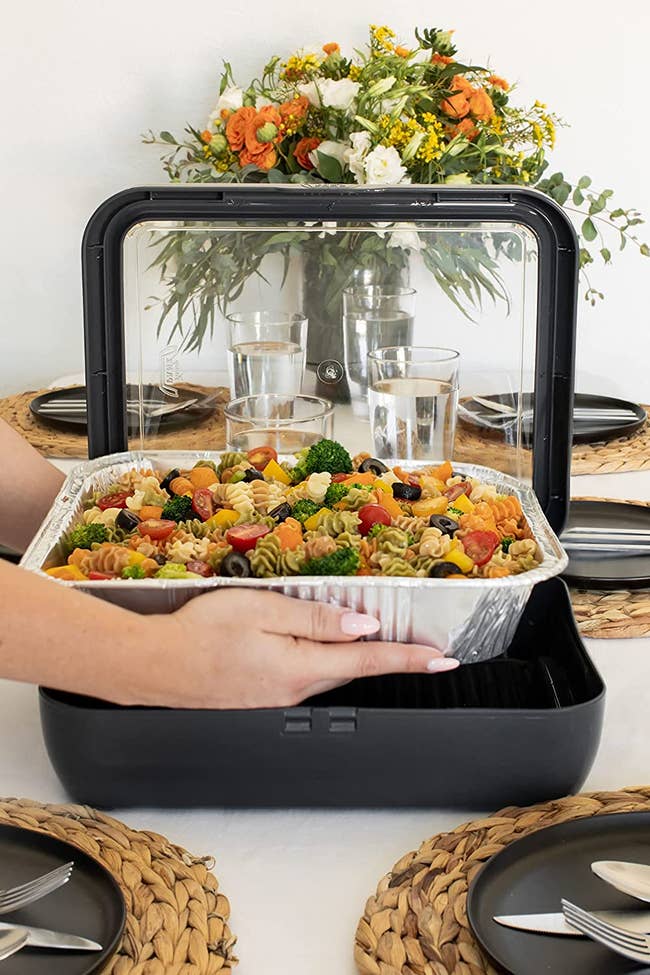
[589,231]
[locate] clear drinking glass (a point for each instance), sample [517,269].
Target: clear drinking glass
[413,397]
[266,352]
[374,317]
[286,423]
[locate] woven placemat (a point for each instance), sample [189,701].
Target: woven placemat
[206,434]
[614,457]
[612,615]
[177,920]
[416,923]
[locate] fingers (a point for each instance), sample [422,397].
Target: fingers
[340,663]
[320,622]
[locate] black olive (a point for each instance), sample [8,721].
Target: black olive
[237,565]
[252,475]
[127,520]
[281,513]
[168,478]
[406,492]
[160,559]
[374,465]
[446,525]
[441,569]
[463,477]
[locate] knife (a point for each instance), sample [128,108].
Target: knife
[42,938]
[555,923]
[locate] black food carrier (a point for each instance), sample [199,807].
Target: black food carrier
[489,272]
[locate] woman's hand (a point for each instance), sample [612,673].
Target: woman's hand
[245,649]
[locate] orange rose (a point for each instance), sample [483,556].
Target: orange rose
[295,110]
[264,160]
[480,105]
[331,49]
[465,127]
[441,59]
[206,136]
[460,83]
[263,129]
[498,82]
[302,150]
[402,52]
[457,105]
[236,127]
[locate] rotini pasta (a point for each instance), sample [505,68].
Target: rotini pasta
[415,524]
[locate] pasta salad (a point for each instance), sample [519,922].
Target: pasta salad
[326,514]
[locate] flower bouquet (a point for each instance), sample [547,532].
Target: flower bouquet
[391,114]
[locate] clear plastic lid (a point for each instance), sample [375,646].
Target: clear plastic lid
[436,323]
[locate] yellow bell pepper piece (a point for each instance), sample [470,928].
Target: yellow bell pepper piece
[135,558]
[224,518]
[430,506]
[312,523]
[463,561]
[68,572]
[463,503]
[380,485]
[274,471]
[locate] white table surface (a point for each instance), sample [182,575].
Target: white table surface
[297,880]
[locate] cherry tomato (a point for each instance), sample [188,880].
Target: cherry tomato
[337,478]
[157,528]
[202,503]
[114,500]
[480,546]
[260,456]
[456,490]
[244,537]
[372,514]
[201,568]
[100,575]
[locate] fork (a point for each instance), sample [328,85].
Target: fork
[622,941]
[13,898]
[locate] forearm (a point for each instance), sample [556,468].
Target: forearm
[30,484]
[71,641]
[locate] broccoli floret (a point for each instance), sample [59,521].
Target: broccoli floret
[328,455]
[85,536]
[304,509]
[376,528]
[175,570]
[133,572]
[178,508]
[336,493]
[506,542]
[343,562]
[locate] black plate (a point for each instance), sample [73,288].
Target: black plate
[533,874]
[77,421]
[90,904]
[604,571]
[584,431]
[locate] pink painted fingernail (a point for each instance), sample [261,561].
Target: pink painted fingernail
[358,624]
[438,664]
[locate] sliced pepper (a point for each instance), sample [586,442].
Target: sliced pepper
[430,506]
[391,505]
[463,561]
[463,503]
[224,518]
[380,485]
[289,532]
[70,573]
[443,472]
[313,521]
[368,477]
[276,473]
[150,511]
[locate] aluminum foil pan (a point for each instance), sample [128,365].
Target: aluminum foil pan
[472,619]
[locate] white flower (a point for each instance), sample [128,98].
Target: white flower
[383,167]
[459,179]
[356,153]
[406,237]
[230,100]
[336,150]
[327,93]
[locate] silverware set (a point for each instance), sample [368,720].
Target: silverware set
[13,937]
[70,408]
[626,933]
[612,541]
[500,415]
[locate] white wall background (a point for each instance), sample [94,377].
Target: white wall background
[81,80]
